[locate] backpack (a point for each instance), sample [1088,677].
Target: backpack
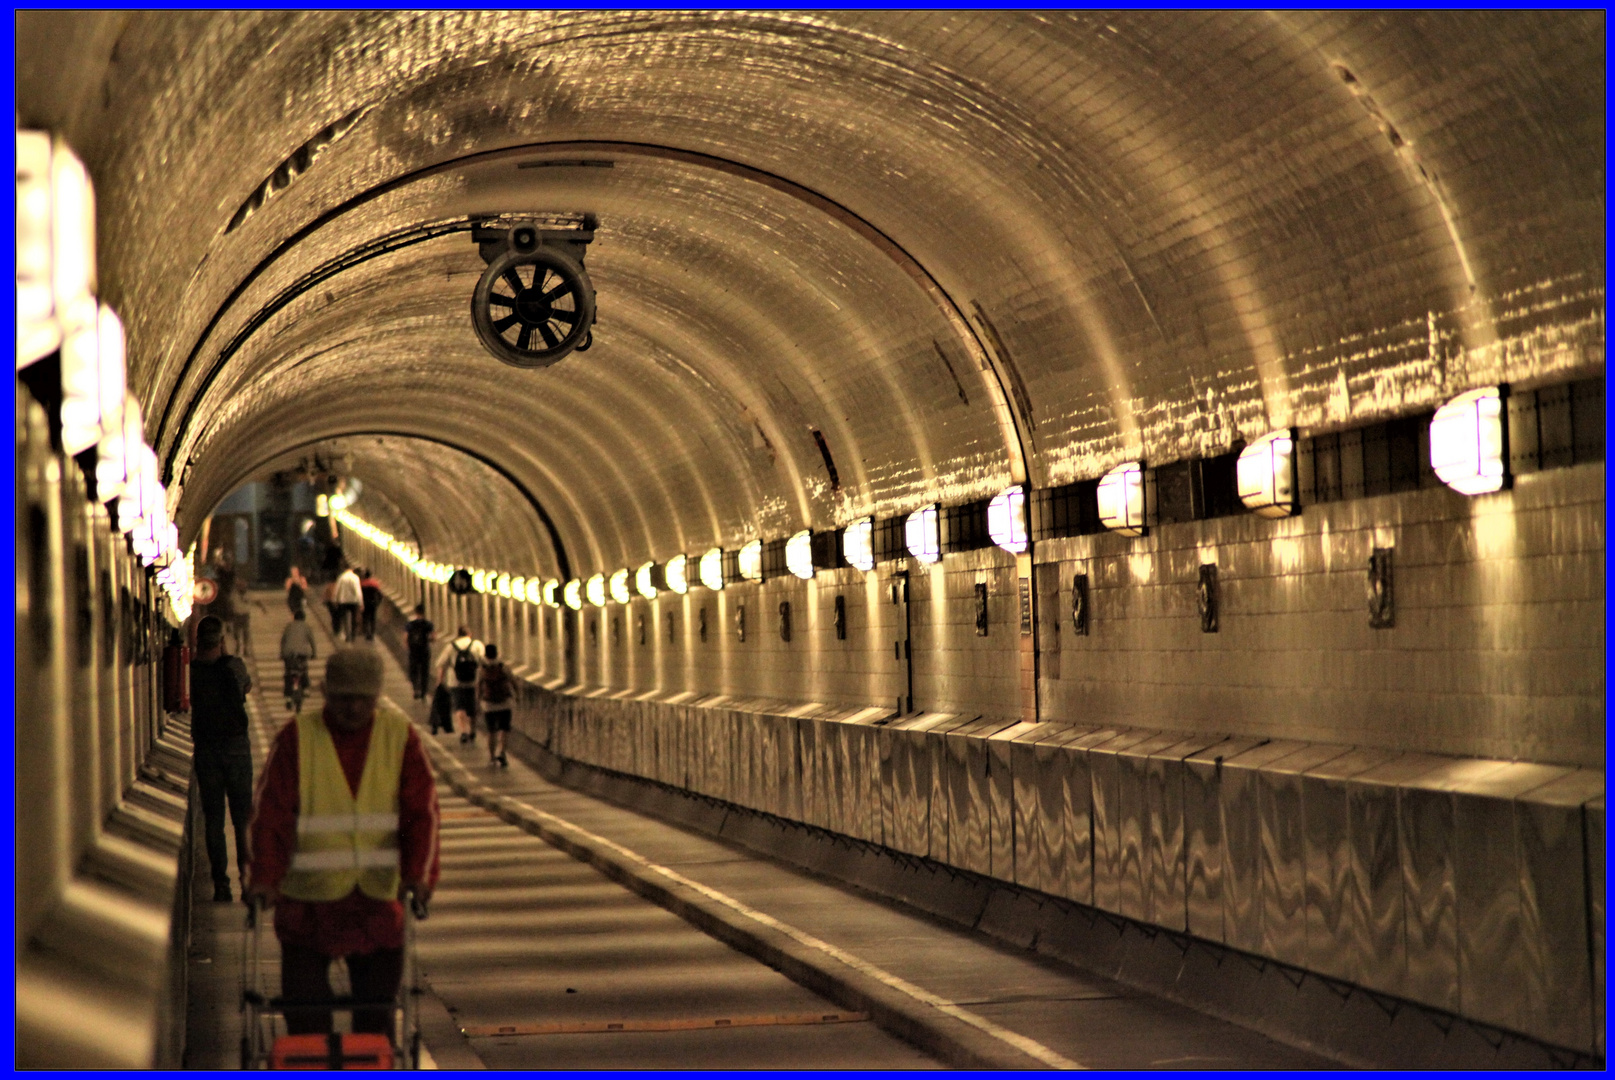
[495,683]
[465,666]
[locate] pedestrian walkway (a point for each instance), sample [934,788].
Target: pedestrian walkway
[954,993]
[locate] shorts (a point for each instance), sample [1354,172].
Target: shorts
[463,699]
[497,719]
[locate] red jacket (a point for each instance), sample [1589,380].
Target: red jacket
[356,923]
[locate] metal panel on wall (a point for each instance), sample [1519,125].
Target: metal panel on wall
[1131,766]
[1005,843]
[1335,894]
[1425,837]
[1284,865]
[1494,960]
[1108,824]
[970,794]
[942,782]
[1060,780]
[1554,916]
[1203,835]
[1166,883]
[1242,842]
[1077,873]
[1027,770]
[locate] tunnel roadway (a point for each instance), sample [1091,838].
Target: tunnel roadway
[535,959]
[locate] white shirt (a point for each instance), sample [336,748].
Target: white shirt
[348,590]
[445,659]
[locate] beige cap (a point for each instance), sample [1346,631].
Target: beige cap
[353,671]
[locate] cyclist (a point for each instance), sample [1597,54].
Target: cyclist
[296,650]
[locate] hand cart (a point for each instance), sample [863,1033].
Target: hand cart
[265,1043]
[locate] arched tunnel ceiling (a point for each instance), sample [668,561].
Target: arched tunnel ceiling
[966,247]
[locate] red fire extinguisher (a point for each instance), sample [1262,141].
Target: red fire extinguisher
[176,672]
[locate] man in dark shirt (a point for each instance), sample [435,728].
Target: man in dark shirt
[223,752]
[370,589]
[419,633]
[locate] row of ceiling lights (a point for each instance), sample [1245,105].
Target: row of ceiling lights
[57,311]
[1466,452]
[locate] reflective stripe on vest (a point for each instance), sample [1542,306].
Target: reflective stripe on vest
[347,840]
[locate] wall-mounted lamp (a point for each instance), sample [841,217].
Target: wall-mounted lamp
[712,568]
[1006,519]
[799,554]
[858,544]
[751,560]
[533,590]
[551,590]
[619,587]
[573,594]
[677,572]
[93,372]
[645,582]
[1468,448]
[1266,472]
[595,590]
[923,536]
[1123,506]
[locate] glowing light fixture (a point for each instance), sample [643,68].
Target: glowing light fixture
[595,590]
[677,572]
[339,502]
[858,544]
[92,377]
[501,585]
[518,588]
[72,221]
[1266,473]
[750,561]
[644,582]
[799,554]
[1121,499]
[533,590]
[550,593]
[322,506]
[1466,442]
[574,594]
[114,451]
[921,534]
[619,587]
[479,580]
[1006,519]
[37,330]
[712,568]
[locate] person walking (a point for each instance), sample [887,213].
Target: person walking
[465,655]
[328,596]
[222,751]
[497,691]
[296,590]
[346,825]
[419,633]
[370,593]
[296,650]
[349,597]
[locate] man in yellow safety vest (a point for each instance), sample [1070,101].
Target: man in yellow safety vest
[345,822]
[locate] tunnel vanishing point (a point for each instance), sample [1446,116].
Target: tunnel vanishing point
[1148,465]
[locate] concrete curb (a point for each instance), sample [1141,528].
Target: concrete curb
[946,1038]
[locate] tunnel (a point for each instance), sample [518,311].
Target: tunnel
[1140,472]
